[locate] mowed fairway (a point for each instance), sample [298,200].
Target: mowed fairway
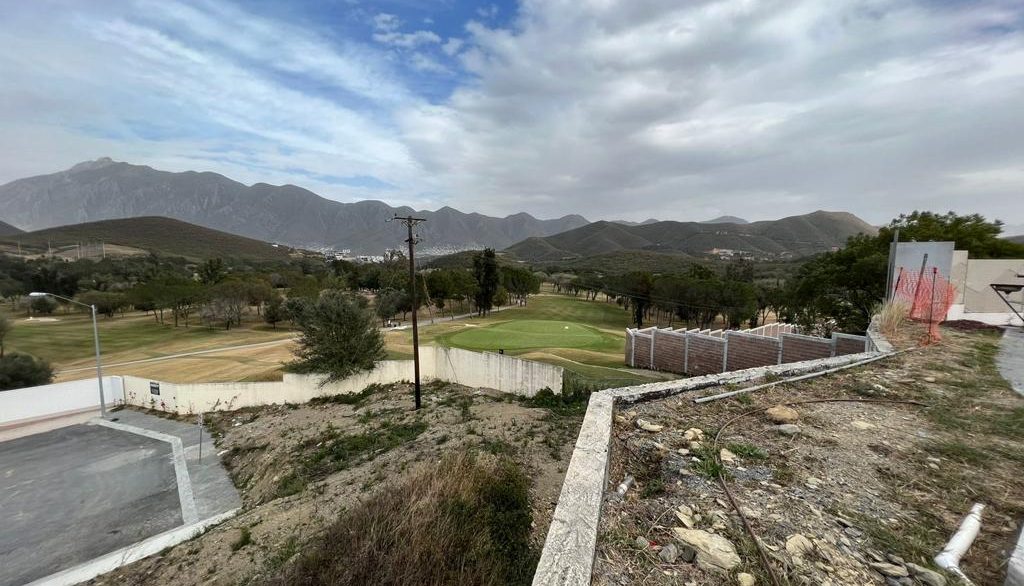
[587,337]
[531,334]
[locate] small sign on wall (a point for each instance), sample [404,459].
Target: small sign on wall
[154,388]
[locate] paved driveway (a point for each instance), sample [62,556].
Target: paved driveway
[72,494]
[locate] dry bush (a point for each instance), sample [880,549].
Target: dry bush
[891,316]
[465,520]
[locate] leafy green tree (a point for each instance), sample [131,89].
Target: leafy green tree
[19,370]
[212,271]
[44,305]
[520,283]
[107,303]
[970,232]
[5,328]
[485,272]
[274,311]
[339,335]
[389,302]
[638,286]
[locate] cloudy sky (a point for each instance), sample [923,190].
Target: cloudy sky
[615,109]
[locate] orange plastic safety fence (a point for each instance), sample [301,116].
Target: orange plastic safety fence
[929,296]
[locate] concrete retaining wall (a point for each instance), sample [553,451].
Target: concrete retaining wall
[507,374]
[476,369]
[700,352]
[35,404]
[568,556]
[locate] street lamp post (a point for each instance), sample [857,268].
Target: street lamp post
[96,341]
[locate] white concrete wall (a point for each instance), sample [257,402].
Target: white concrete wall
[24,406]
[477,369]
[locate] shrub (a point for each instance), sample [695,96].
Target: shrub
[891,316]
[465,520]
[44,305]
[19,370]
[339,335]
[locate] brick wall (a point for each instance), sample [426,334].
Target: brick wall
[796,348]
[705,355]
[669,351]
[847,344]
[749,351]
[642,350]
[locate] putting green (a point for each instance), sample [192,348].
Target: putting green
[529,334]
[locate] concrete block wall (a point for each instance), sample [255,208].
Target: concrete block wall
[20,407]
[706,355]
[848,344]
[699,352]
[669,351]
[750,350]
[797,347]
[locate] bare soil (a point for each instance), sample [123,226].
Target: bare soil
[863,482]
[298,466]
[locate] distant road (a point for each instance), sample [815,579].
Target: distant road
[227,348]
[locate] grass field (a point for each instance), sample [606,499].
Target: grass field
[66,340]
[587,337]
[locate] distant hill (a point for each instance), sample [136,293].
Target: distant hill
[725,220]
[1017,239]
[6,229]
[146,235]
[105,189]
[789,237]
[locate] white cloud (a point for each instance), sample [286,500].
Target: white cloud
[758,109]
[452,46]
[387,32]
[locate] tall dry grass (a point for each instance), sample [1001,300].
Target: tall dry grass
[891,317]
[465,520]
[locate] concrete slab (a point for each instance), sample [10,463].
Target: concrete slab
[71,494]
[1011,358]
[1011,365]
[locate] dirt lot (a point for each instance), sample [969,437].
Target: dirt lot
[860,489]
[298,466]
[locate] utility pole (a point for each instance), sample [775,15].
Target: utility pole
[409,222]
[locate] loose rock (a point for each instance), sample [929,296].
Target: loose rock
[782,414]
[788,429]
[693,434]
[745,579]
[669,553]
[798,545]
[648,426]
[887,569]
[862,425]
[714,552]
[926,576]
[727,456]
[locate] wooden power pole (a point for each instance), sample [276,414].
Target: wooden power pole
[409,222]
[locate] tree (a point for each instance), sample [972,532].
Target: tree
[5,328]
[389,302]
[970,232]
[520,283]
[44,305]
[107,303]
[19,370]
[226,302]
[212,271]
[274,311]
[638,287]
[485,272]
[339,335]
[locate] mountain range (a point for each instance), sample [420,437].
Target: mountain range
[135,236]
[788,237]
[7,229]
[105,189]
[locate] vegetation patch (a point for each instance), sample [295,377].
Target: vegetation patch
[465,520]
[333,451]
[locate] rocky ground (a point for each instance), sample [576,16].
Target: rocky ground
[298,466]
[836,492]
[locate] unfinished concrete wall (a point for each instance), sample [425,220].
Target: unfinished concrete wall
[797,347]
[706,355]
[669,351]
[750,350]
[699,352]
[849,344]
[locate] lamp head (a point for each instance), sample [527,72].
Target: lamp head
[38,294]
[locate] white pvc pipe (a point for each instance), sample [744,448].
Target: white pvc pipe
[949,558]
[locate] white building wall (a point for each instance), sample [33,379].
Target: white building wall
[23,406]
